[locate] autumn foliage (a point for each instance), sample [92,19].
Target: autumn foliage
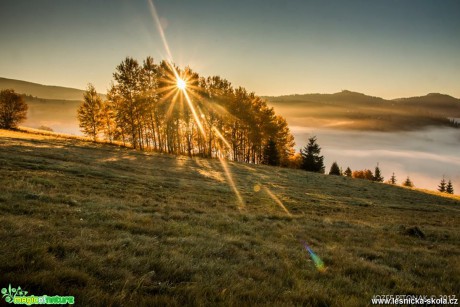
[147,110]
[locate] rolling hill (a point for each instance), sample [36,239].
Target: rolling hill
[357,111]
[114,226]
[42,91]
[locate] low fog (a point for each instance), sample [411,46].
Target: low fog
[424,155]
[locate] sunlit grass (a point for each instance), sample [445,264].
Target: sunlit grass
[113,226]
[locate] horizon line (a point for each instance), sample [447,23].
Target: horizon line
[271,96]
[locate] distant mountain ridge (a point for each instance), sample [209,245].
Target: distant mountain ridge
[357,111]
[56,107]
[42,91]
[355,97]
[345,96]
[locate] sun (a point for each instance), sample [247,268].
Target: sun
[181,84]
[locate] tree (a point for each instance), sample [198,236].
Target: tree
[127,91]
[392,179]
[377,175]
[442,185]
[408,183]
[146,109]
[295,161]
[271,154]
[449,188]
[363,174]
[90,113]
[348,172]
[335,169]
[108,121]
[311,159]
[13,109]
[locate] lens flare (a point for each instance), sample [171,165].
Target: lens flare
[319,264]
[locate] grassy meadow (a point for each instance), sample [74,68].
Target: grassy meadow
[117,227]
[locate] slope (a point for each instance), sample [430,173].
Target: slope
[42,91]
[113,226]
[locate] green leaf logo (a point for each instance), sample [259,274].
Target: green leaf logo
[10,293]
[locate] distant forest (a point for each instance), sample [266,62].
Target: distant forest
[146,108]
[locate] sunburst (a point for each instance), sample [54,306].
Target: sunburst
[181,84]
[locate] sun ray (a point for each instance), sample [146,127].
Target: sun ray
[169,94]
[172,105]
[195,115]
[178,84]
[154,13]
[277,200]
[230,181]
[169,89]
[221,137]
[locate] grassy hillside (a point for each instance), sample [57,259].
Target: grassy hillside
[113,226]
[350,110]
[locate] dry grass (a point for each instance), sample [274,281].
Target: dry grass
[113,226]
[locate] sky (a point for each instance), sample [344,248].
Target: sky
[390,49]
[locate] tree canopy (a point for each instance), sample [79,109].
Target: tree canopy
[90,113]
[205,116]
[363,174]
[13,109]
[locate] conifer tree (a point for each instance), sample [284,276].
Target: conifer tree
[368,175]
[449,188]
[442,185]
[377,175]
[311,159]
[348,172]
[271,154]
[335,170]
[392,179]
[408,183]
